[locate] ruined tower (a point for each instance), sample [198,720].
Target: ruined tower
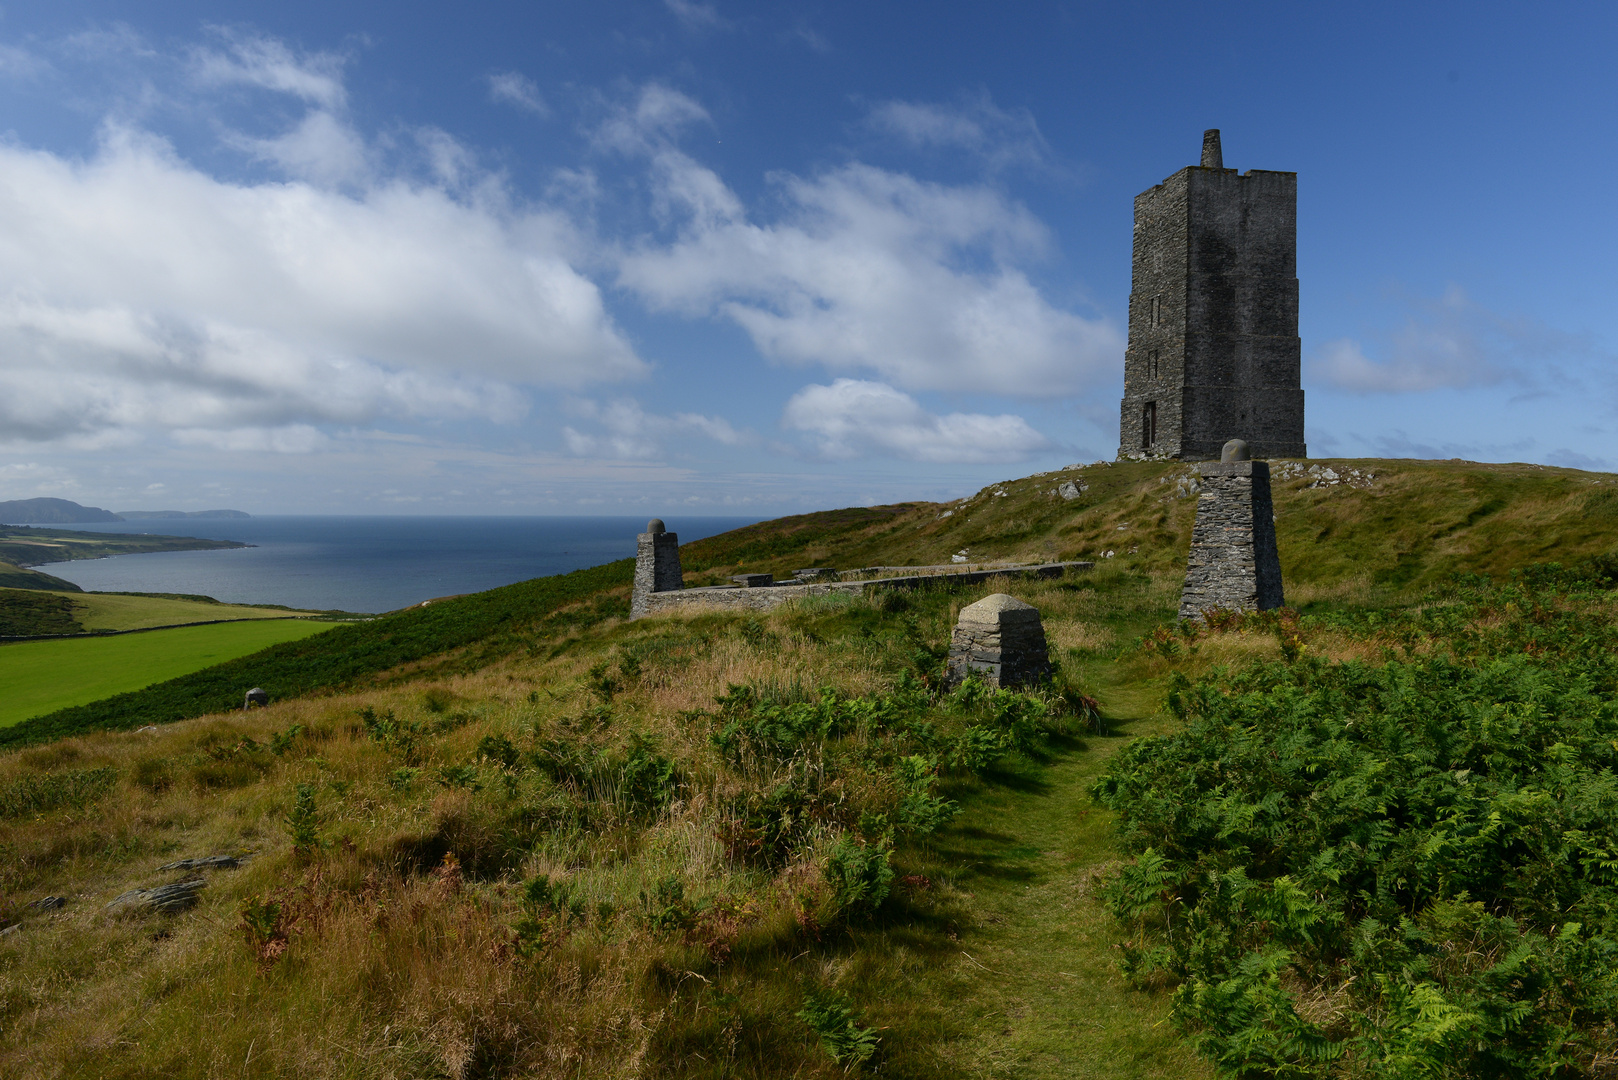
[1213,315]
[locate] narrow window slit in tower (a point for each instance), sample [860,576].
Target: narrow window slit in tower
[1148,425]
[1157,311]
[1151,363]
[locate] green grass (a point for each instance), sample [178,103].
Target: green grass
[42,676]
[118,611]
[37,613]
[462,634]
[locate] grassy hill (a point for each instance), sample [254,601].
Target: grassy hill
[514,834]
[37,613]
[43,677]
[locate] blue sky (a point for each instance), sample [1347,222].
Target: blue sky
[722,258]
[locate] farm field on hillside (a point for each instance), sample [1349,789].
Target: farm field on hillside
[112,611]
[42,676]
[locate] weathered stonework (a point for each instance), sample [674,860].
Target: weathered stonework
[657,567]
[1234,564]
[772,596]
[1213,315]
[1002,641]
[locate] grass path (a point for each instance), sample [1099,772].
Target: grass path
[38,677]
[1034,991]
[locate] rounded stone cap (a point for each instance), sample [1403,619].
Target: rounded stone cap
[656,526]
[1235,450]
[999,608]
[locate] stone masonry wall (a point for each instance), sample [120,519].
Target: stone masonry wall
[763,599]
[1233,563]
[1001,640]
[657,569]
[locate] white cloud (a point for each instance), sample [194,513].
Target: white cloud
[976,125]
[251,60]
[630,432]
[1450,343]
[18,63]
[696,16]
[516,89]
[321,149]
[657,117]
[138,291]
[288,439]
[852,418]
[866,270]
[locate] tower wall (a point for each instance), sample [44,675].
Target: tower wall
[1213,317]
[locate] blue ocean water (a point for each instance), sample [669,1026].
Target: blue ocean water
[368,564]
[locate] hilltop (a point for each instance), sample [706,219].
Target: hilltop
[51,512]
[515,834]
[46,511]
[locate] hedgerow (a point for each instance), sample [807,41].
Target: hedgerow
[1395,869]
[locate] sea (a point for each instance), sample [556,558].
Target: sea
[365,564]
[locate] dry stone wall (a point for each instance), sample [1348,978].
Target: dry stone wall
[1234,564]
[771,596]
[657,566]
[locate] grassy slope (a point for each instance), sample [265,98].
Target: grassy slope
[467,631]
[1002,968]
[115,611]
[1415,524]
[36,613]
[43,676]
[15,577]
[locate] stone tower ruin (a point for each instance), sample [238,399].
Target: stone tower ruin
[1213,315]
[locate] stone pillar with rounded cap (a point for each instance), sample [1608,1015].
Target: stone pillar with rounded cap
[1234,564]
[1001,640]
[657,566]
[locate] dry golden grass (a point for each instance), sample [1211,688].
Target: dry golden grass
[388,961]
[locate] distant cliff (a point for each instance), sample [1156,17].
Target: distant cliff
[51,512]
[141,515]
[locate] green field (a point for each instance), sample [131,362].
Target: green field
[115,611]
[41,676]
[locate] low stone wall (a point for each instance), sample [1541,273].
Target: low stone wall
[770,596]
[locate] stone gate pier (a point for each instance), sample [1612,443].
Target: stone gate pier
[657,566]
[1234,564]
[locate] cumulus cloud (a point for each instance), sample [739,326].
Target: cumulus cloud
[1450,343]
[512,88]
[137,290]
[865,270]
[975,124]
[320,149]
[853,418]
[630,432]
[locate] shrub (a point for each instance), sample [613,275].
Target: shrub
[303,822]
[831,1017]
[859,875]
[1431,841]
